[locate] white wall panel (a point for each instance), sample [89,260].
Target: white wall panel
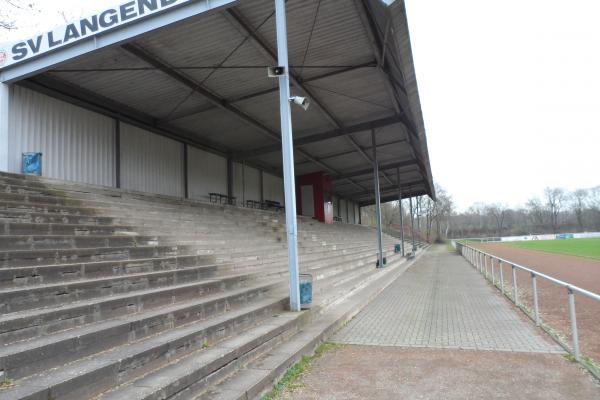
[351,207]
[246,183]
[77,144]
[207,173]
[150,163]
[273,187]
[252,184]
[336,206]
[344,209]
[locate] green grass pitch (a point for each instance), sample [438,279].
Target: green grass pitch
[589,248]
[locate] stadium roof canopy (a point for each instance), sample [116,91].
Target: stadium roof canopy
[196,70]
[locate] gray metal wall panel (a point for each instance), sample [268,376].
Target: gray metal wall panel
[207,173]
[252,183]
[150,163]
[357,214]
[273,188]
[77,145]
[344,210]
[336,205]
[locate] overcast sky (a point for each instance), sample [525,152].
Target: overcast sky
[510,91]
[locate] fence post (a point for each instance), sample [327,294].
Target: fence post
[536,309]
[493,274]
[501,277]
[515,294]
[485,274]
[573,317]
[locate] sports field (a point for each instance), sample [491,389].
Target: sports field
[574,247]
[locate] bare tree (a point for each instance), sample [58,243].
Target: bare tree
[498,213]
[7,10]
[555,198]
[578,203]
[535,210]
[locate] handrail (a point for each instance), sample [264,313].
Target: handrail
[479,259]
[566,285]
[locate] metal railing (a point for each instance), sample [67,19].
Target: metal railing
[479,259]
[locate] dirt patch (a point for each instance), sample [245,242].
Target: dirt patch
[369,372]
[554,310]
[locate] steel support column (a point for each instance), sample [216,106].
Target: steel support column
[186,181]
[261,184]
[229,176]
[412,226]
[377,200]
[117,153]
[400,208]
[288,155]
[4,105]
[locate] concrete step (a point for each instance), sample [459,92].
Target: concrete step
[29,357]
[12,228]
[47,274]
[17,215]
[52,295]
[88,377]
[194,375]
[26,258]
[61,242]
[29,323]
[205,367]
[257,374]
[39,322]
[124,215]
[107,204]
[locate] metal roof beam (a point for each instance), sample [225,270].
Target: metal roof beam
[78,96]
[377,44]
[346,153]
[348,130]
[120,34]
[238,20]
[249,96]
[382,167]
[219,102]
[386,189]
[369,159]
[388,198]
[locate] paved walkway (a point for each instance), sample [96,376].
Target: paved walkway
[442,302]
[441,332]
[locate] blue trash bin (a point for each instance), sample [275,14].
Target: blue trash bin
[306,288]
[32,164]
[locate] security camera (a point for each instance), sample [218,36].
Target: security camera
[301,101]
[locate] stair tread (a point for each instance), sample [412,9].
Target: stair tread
[15,348]
[118,354]
[90,302]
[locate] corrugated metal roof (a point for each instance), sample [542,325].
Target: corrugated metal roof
[329,44]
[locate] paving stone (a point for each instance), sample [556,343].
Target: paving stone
[443,302]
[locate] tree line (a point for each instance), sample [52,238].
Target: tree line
[557,211]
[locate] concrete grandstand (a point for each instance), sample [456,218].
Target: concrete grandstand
[150,259]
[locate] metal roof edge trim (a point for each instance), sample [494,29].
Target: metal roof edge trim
[119,34]
[398,13]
